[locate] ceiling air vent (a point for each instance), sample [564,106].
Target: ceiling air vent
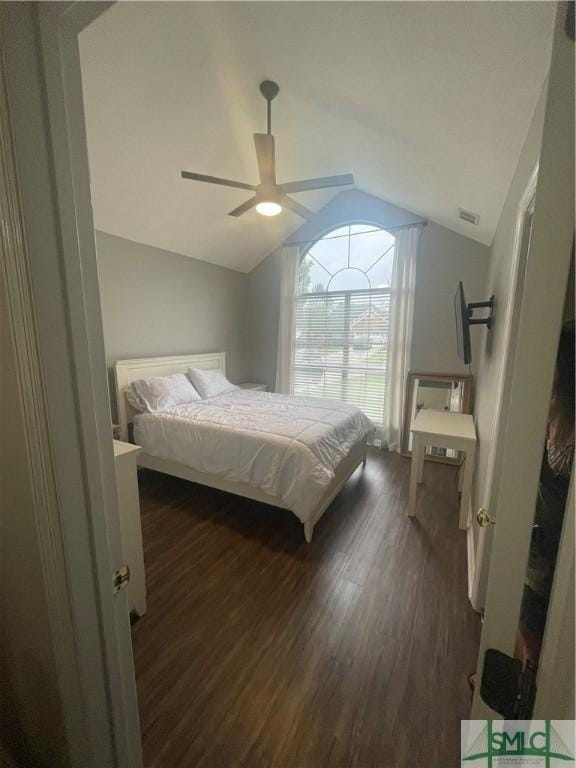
[471,218]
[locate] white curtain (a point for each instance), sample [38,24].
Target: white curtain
[400,335]
[287,320]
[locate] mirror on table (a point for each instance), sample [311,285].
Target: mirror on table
[439,392]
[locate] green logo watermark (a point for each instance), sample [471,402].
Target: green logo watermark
[518,743]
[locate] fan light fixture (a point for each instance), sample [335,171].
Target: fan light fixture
[270,198]
[269,208]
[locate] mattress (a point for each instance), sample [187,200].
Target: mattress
[289,447]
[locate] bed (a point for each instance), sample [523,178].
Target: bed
[292,453]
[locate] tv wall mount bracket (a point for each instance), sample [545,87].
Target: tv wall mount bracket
[487,321]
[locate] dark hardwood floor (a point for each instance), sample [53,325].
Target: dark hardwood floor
[261,651]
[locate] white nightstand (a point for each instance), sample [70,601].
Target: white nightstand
[253,385]
[125,455]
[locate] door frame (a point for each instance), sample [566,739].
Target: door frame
[59,345]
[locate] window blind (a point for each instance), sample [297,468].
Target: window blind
[340,348]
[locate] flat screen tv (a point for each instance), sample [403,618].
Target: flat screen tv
[462,325]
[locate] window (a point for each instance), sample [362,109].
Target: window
[342,318]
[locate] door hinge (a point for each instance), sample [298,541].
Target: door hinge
[508,686]
[120,578]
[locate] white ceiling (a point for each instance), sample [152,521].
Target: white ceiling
[428,104]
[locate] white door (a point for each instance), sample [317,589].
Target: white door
[532,366]
[59,27]
[40,48]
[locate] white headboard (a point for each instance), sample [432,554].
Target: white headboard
[127,371]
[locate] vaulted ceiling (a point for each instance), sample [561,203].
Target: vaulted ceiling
[426,103]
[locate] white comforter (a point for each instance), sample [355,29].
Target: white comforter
[286,446]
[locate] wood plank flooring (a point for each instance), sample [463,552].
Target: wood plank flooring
[260,651]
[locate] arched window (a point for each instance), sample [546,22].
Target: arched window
[342,317]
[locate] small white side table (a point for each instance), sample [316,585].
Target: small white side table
[442,429]
[253,385]
[125,455]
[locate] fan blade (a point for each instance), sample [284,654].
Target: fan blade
[264,143]
[216,180]
[321,183]
[244,207]
[301,210]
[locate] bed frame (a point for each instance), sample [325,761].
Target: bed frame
[127,371]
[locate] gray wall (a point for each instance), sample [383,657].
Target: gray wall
[444,257]
[159,303]
[264,291]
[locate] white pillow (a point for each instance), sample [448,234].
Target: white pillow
[162,392]
[210,382]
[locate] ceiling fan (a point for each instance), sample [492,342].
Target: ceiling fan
[270,197]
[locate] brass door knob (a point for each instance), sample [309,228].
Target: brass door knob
[483,518]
